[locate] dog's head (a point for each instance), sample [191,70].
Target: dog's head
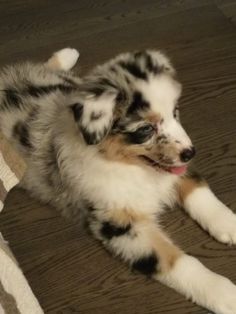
[129,109]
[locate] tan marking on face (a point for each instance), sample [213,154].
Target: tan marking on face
[152,117]
[114,148]
[187,185]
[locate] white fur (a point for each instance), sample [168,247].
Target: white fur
[175,130]
[163,60]
[131,247]
[162,93]
[114,185]
[201,285]
[67,58]
[212,214]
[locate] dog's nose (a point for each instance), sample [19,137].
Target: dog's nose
[187,154]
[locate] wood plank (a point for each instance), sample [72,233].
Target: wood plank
[229,10]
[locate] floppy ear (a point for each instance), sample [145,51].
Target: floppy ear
[94,115]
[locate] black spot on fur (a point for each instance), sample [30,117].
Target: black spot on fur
[106,82]
[21,132]
[127,80]
[38,91]
[97,90]
[138,103]
[162,139]
[52,154]
[89,137]
[133,69]
[52,175]
[121,97]
[139,54]
[68,80]
[149,62]
[93,138]
[96,115]
[167,207]
[77,109]
[116,127]
[114,70]
[147,265]
[91,208]
[65,88]
[12,97]
[110,230]
[153,68]
[33,114]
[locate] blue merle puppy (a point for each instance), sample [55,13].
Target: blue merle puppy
[110,147]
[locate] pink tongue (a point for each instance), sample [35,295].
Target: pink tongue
[178,170]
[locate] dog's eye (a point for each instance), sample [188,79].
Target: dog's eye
[146,129]
[176,112]
[141,135]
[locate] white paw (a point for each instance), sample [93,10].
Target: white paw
[225,297]
[223,226]
[204,287]
[213,215]
[67,58]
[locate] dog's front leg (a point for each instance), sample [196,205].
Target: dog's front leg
[139,242]
[204,207]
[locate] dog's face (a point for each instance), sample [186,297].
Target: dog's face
[130,110]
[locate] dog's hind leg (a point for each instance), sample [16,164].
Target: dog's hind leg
[64,59]
[204,207]
[139,242]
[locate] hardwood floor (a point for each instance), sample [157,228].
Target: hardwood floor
[68,270]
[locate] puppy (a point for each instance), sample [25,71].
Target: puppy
[110,147]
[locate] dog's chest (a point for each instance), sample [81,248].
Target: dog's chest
[121,186]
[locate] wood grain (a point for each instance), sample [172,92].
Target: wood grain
[68,270]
